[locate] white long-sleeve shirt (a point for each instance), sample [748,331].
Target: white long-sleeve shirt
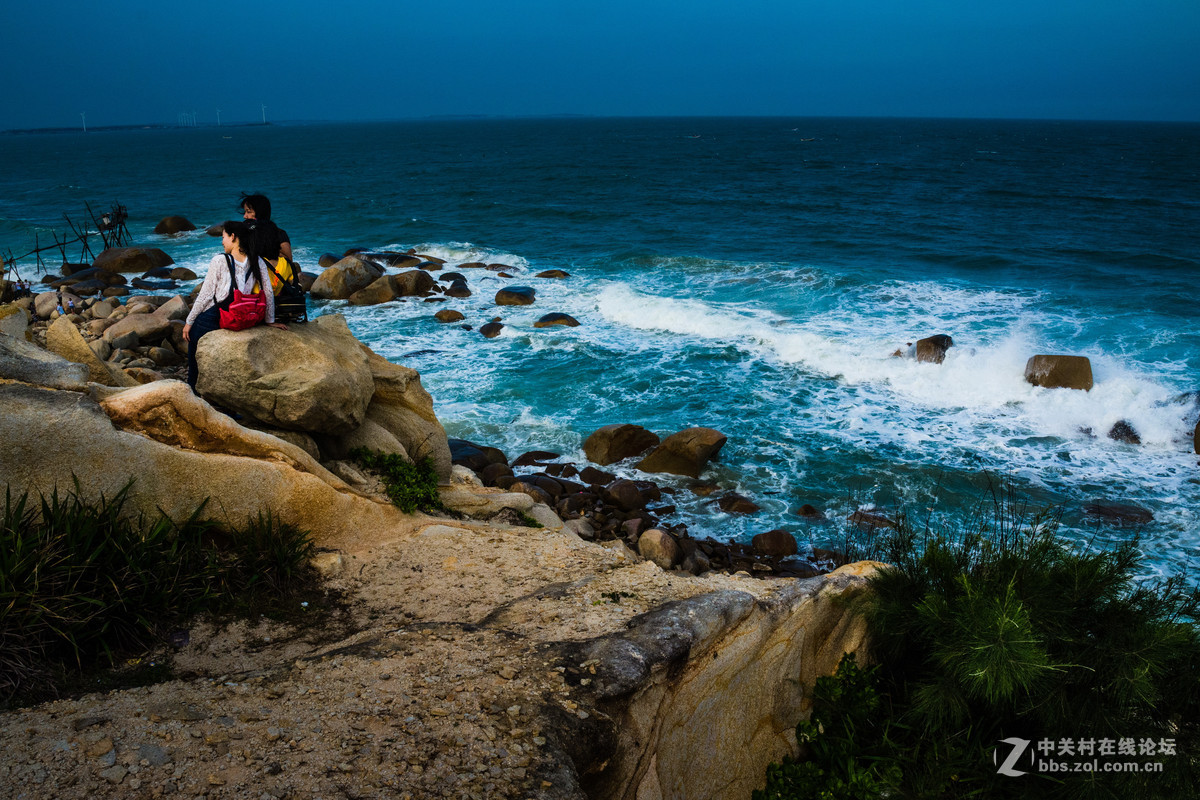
[216,286]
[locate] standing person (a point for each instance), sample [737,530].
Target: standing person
[273,240]
[249,269]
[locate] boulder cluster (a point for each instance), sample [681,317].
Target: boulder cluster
[599,505]
[362,278]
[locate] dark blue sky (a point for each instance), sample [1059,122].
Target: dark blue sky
[123,62]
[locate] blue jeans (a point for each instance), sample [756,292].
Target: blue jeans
[207,322]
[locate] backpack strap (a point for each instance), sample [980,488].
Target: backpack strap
[250,271]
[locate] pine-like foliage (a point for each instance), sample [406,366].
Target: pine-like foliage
[1010,631]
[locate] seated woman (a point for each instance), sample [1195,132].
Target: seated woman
[250,270]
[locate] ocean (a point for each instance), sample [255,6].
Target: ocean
[749,275]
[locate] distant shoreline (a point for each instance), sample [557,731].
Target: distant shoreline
[507,117]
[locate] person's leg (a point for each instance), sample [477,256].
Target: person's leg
[207,322]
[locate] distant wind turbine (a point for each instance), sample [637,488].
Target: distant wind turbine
[83,116]
[264,108]
[218,117]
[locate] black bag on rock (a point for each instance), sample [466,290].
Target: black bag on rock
[290,298]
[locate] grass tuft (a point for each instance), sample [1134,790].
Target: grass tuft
[82,581]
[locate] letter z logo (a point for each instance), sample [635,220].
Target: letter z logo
[1018,747]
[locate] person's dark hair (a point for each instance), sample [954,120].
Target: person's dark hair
[258,202]
[247,240]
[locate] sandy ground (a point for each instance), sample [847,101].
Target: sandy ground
[432,679]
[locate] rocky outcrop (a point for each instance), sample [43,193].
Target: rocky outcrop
[64,339]
[132,259]
[50,438]
[313,377]
[612,443]
[173,225]
[345,278]
[685,453]
[23,361]
[400,405]
[719,673]
[1059,372]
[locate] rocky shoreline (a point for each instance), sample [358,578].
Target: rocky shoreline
[554,634]
[471,655]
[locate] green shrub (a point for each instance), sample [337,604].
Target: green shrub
[1010,631]
[411,487]
[84,580]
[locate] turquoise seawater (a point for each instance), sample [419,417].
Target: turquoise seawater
[749,275]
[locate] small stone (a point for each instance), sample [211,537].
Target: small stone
[274,734]
[87,722]
[114,774]
[508,673]
[215,780]
[100,748]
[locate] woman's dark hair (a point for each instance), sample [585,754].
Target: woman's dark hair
[247,240]
[258,202]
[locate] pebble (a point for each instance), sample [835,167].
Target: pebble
[100,748]
[114,774]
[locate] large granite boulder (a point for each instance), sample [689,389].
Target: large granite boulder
[412,283]
[1059,372]
[132,259]
[23,361]
[313,377]
[345,278]
[401,406]
[684,453]
[64,339]
[381,290]
[45,303]
[179,453]
[613,443]
[174,224]
[150,328]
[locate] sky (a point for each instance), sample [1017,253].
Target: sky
[123,62]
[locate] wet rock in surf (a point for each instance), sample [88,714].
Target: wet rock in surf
[551,320]
[932,349]
[458,288]
[491,330]
[515,296]
[1122,431]
[613,443]
[734,503]
[173,225]
[777,543]
[448,315]
[684,453]
[1120,515]
[553,273]
[344,278]
[1059,372]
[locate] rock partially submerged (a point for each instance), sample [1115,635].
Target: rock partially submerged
[684,453]
[1059,372]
